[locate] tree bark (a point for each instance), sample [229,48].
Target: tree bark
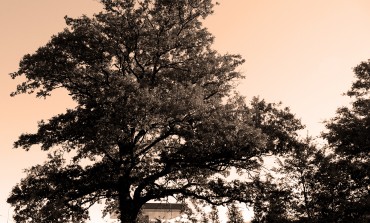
[129,208]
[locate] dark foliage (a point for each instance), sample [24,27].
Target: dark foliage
[155,115]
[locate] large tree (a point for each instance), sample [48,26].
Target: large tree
[154,115]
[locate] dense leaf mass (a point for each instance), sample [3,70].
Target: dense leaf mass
[155,115]
[348,135]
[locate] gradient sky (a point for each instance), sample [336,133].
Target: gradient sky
[300,52]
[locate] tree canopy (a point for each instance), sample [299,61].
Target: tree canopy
[348,136]
[156,115]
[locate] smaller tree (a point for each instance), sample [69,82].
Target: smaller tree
[213,215]
[234,215]
[299,168]
[198,214]
[271,203]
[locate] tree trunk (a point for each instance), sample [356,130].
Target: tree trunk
[129,213]
[129,208]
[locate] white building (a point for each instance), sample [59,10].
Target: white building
[162,211]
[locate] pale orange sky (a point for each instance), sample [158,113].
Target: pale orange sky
[300,52]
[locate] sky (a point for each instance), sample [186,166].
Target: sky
[299,52]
